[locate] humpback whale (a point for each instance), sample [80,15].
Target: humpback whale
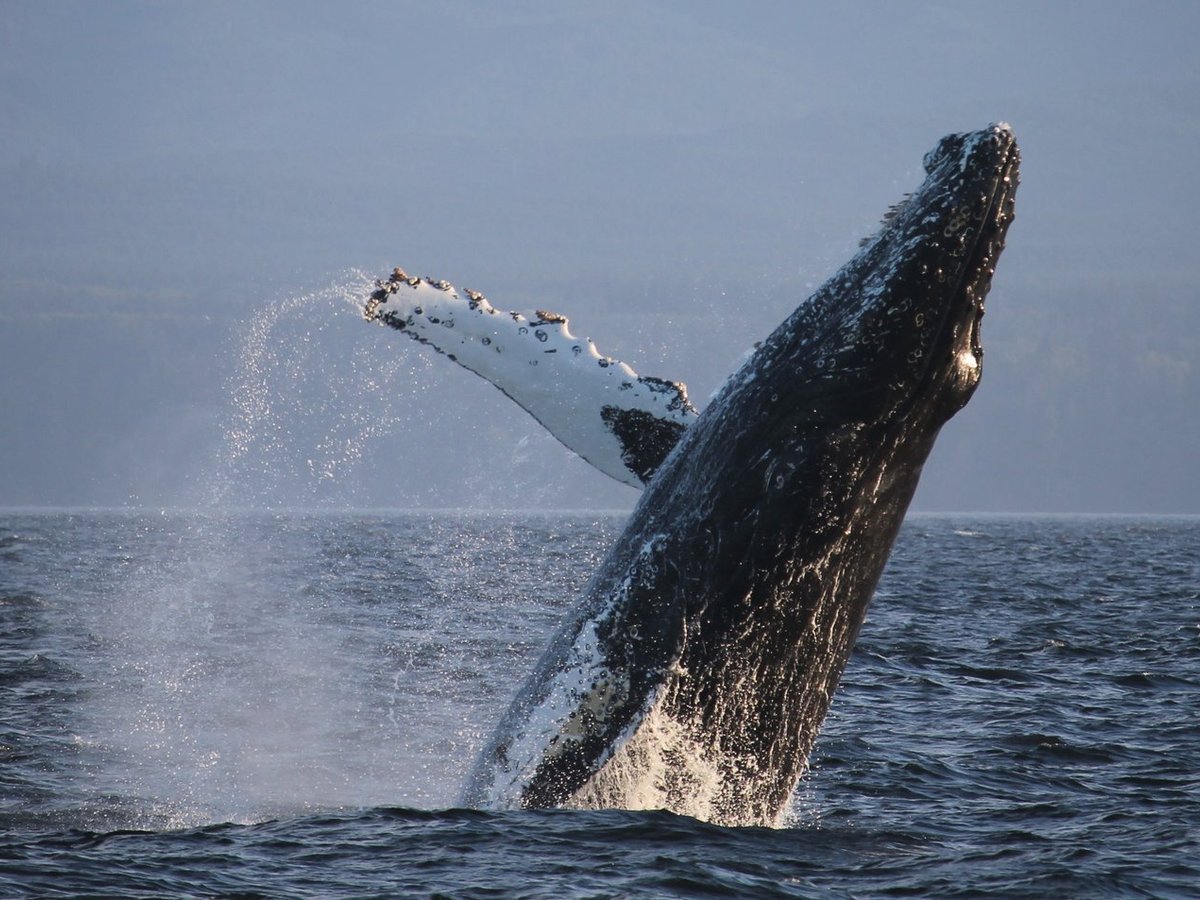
[695,671]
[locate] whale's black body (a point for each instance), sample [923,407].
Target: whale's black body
[696,671]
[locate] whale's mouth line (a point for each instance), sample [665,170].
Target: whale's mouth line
[975,279]
[958,343]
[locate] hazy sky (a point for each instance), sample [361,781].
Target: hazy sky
[184,182]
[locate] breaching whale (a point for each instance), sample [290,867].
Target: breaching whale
[699,664]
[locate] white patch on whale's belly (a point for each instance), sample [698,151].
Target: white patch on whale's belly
[663,765]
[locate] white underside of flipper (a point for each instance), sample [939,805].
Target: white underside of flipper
[617,420]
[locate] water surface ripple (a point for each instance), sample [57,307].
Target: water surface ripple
[265,705]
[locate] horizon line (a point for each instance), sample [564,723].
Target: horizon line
[53,509]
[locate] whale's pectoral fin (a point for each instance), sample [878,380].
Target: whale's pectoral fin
[622,423]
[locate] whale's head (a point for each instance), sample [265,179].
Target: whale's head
[877,360]
[898,328]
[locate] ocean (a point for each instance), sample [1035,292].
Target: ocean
[285,704]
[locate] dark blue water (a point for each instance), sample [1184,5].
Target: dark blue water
[285,705]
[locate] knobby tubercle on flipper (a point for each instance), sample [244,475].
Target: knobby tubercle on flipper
[564,382]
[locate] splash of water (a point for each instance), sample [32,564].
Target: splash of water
[222,689]
[306,399]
